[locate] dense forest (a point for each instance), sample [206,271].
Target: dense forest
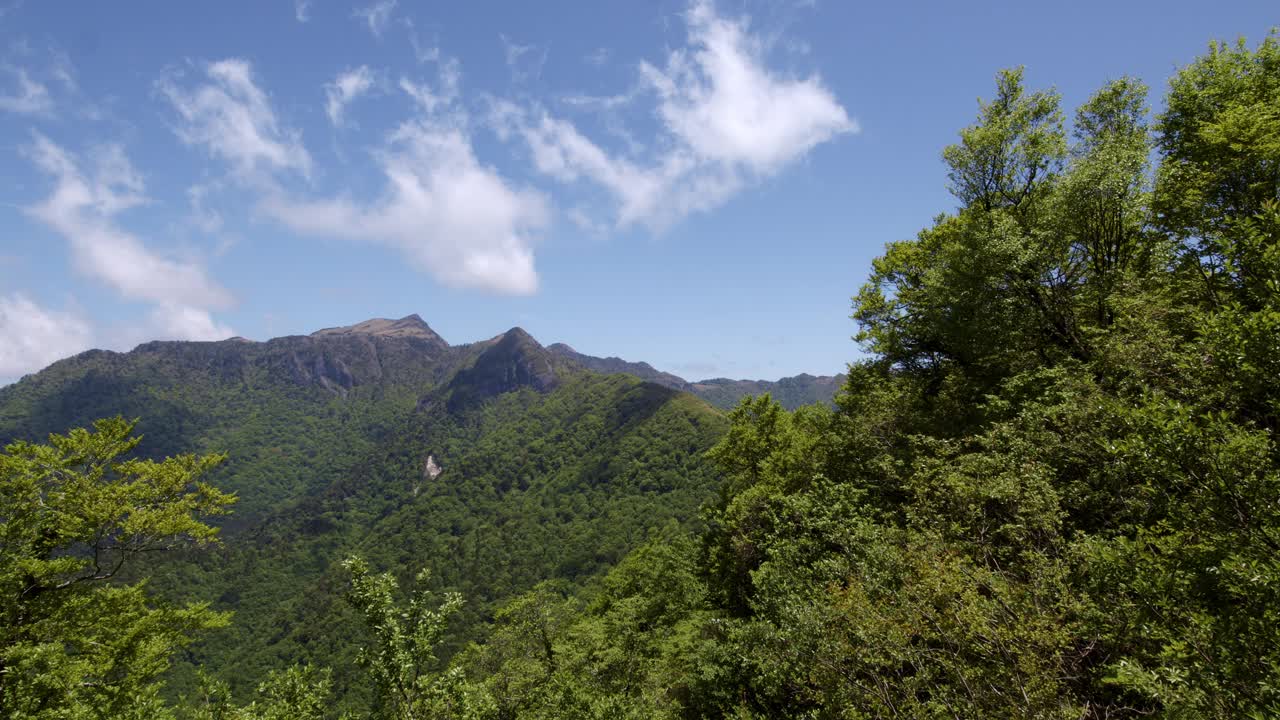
[1050,489]
[494,465]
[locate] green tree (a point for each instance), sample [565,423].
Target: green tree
[75,640]
[1219,138]
[1050,491]
[401,660]
[1101,231]
[298,693]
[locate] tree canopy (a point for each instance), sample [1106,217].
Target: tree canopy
[73,512]
[1053,487]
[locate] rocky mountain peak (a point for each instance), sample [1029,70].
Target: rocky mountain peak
[509,362]
[410,326]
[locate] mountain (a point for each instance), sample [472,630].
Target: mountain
[292,411]
[614,365]
[289,410]
[509,362]
[790,392]
[411,326]
[494,465]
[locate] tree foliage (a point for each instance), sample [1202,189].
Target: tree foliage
[401,657]
[1052,490]
[73,512]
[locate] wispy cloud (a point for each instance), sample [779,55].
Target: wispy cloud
[82,208]
[45,82]
[302,10]
[345,88]
[183,322]
[377,16]
[27,96]
[559,150]
[728,120]
[422,52]
[718,97]
[231,117]
[454,217]
[63,71]
[32,336]
[440,97]
[451,215]
[202,217]
[603,103]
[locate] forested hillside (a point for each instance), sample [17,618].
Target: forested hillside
[1050,489]
[530,488]
[290,413]
[495,465]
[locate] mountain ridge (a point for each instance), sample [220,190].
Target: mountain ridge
[339,359]
[724,393]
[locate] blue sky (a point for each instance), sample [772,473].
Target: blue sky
[700,185]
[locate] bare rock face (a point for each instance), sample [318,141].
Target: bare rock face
[410,326]
[330,372]
[339,359]
[430,469]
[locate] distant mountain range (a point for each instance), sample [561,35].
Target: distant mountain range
[724,393]
[341,358]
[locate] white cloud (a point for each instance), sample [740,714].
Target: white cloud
[431,100]
[377,16]
[452,216]
[727,119]
[169,321]
[345,88]
[232,118]
[600,103]
[719,98]
[82,207]
[28,98]
[302,10]
[559,150]
[32,337]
